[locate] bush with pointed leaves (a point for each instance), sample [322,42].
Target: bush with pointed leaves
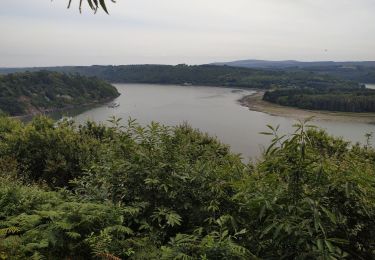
[126,191]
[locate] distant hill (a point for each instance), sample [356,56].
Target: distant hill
[265,64]
[216,74]
[360,71]
[43,91]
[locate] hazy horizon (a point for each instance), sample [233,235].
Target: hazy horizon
[213,62]
[41,33]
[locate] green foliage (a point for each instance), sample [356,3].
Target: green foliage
[216,245]
[155,192]
[52,224]
[37,92]
[167,179]
[44,151]
[312,197]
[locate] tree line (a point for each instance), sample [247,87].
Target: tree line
[209,75]
[345,100]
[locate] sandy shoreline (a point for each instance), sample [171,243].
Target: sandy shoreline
[256,103]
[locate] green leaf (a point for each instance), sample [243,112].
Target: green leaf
[73,235]
[173,219]
[329,246]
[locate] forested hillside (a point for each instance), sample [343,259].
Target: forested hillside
[345,100]
[36,92]
[358,73]
[362,71]
[206,75]
[156,192]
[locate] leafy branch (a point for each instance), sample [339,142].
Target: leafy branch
[94,5]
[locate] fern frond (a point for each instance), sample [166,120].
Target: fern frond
[107,256]
[9,231]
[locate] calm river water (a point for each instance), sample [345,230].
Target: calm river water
[211,109]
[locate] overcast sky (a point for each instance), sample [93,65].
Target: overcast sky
[45,33]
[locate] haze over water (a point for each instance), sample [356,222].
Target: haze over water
[211,109]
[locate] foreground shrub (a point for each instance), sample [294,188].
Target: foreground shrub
[156,192]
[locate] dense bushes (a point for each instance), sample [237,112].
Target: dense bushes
[37,224]
[155,192]
[33,92]
[311,197]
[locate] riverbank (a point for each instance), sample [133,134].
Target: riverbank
[55,113]
[255,102]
